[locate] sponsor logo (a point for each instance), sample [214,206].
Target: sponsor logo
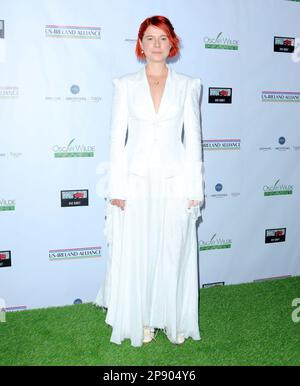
[219,95]
[2,43]
[219,187]
[272,278]
[280,96]
[129,40]
[12,154]
[74,253]
[5,259]
[220,194]
[9,92]
[221,43]
[74,198]
[215,243]
[221,144]
[75,97]
[73,151]
[275,235]
[75,89]
[284,44]
[277,189]
[281,141]
[2,29]
[2,311]
[72,32]
[216,284]
[7,205]
[15,308]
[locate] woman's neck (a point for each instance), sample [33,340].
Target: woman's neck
[156,69]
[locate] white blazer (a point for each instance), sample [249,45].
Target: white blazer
[133,110]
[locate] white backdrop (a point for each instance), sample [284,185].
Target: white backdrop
[57,59]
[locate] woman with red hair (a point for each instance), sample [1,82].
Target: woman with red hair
[154,196]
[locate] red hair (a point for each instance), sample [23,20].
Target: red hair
[163,23]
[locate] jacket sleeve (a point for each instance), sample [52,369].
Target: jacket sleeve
[117,180]
[193,141]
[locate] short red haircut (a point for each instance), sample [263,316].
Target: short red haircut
[163,23]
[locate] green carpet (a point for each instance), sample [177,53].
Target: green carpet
[247,324]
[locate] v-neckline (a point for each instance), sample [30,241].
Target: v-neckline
[163,93]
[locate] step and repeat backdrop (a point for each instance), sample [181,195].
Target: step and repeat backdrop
[57,61]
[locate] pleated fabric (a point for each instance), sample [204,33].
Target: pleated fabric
[152,269]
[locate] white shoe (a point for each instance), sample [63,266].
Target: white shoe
[180,338]
[148,334]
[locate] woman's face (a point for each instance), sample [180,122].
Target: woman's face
[155,44]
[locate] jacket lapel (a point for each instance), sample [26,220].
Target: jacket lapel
[146,93]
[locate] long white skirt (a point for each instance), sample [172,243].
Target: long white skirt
[152,271]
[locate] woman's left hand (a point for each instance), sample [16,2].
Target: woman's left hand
[193,203]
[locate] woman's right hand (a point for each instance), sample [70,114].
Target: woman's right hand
[119,203]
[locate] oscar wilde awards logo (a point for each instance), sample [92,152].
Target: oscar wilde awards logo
[7,205]
[221,43]
[73,150]
[215,243]
[278,189]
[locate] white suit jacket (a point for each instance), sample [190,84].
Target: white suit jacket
[133,110]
